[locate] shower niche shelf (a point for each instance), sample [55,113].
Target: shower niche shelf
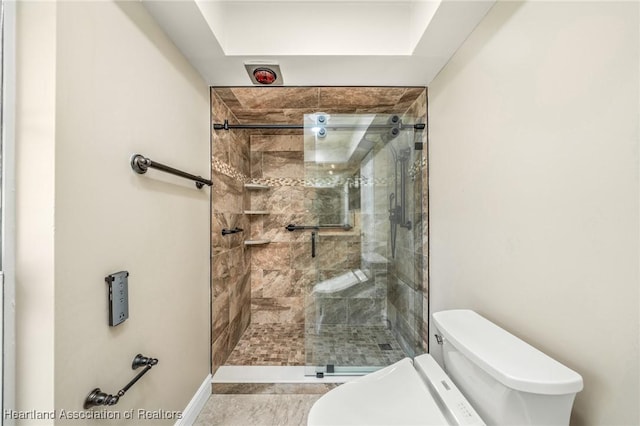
[256,242]
[256,186]
[256,212]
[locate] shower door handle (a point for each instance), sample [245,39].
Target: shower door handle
[313,244]
[344,226]
[291,227]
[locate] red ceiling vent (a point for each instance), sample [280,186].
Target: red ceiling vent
[264,75]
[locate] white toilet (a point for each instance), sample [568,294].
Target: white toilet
[492,377]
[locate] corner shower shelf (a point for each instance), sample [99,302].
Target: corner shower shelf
[256,242]
[256,186]
[256,212]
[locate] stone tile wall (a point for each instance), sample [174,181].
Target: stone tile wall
[230,259]
[280,270]
[407,292]
[283,271]
[420,109]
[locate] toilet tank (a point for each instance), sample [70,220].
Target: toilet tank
[506,380]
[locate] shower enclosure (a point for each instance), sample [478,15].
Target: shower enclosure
[364,308]
[317,227]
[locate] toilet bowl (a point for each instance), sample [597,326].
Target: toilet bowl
[489,377]
[404,393]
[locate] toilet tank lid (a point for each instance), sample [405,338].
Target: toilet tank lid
[505,357]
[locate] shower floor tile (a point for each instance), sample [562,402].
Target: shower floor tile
[353,346]
[339,345]
[269,344]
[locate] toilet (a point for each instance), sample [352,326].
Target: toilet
[490,377]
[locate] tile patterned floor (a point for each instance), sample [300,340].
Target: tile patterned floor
[260,409]
[273,388]
[340,345]
[344,345]
[269,344]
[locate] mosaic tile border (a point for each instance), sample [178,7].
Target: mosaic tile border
[229,171]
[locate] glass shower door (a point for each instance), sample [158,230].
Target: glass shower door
[358,209]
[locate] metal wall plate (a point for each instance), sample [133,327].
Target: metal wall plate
[118,297]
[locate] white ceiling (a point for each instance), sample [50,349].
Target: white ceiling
[320,43]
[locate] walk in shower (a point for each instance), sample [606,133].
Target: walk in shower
[318,227]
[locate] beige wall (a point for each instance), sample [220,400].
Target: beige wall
[534,189]
[113,85]
[35,176]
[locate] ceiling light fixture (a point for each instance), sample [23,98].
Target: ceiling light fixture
[264,73]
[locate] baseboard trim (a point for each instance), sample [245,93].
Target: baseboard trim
[196,404]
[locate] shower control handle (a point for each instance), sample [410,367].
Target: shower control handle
[313,244]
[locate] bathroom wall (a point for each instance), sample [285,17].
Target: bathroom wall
[283,271]
[404,288]
[230,258]
[534,189]
[35,145]
[419,110]
[97,82]
[407,291]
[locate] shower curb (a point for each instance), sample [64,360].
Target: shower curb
[271,374]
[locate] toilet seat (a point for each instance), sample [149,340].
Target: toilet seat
[405,393]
